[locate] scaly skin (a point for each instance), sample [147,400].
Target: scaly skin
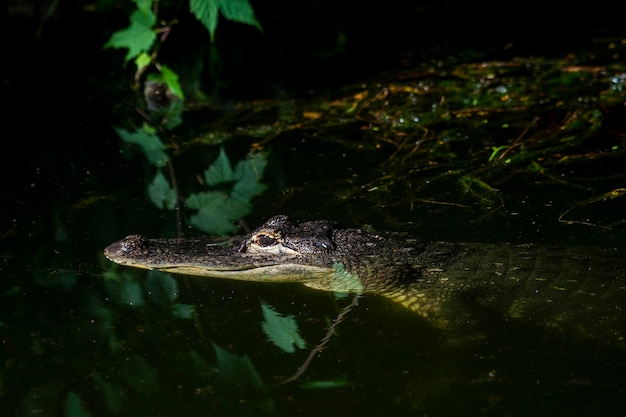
[448,283]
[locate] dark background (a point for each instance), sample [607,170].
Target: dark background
[56,77]
[62,92]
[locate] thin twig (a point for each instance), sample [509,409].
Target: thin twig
[322,344]
[179,220]
[519,138]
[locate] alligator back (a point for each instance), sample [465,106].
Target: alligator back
[581,290]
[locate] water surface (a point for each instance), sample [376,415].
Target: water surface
[81,336]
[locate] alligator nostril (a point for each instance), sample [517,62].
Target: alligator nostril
[113,250]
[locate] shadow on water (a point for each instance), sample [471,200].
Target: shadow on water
[522,150]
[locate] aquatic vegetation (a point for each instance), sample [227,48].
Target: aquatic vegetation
[230,189]
[281,330]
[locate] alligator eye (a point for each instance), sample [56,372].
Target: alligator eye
[265,240]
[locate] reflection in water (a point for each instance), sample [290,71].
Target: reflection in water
[454,154]
[143,343]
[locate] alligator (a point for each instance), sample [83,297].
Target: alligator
[442,281]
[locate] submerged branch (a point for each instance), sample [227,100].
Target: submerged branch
[322,344]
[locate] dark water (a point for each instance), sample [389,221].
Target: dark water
[81,337]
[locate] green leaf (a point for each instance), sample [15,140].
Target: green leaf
[174,114]
[142,61]
[204,199]
[148,128]
[73,406]
[161,287]
[183,311]
[247,188]
[239,11]
[114,273]
[216,211]
[252,167]
[161,193]
[138,37]
[220,170]
[144,5]
[151,145]
[236,371]
[171,79]
[207,12]
[338,383]
[343,281]
[249,172]
[126,292]
[281,331]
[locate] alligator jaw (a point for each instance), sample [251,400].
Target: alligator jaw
[210,258]
[256,273]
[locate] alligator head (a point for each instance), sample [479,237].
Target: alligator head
[312,253]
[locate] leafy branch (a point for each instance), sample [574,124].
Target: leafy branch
[147,31]
[228,194]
